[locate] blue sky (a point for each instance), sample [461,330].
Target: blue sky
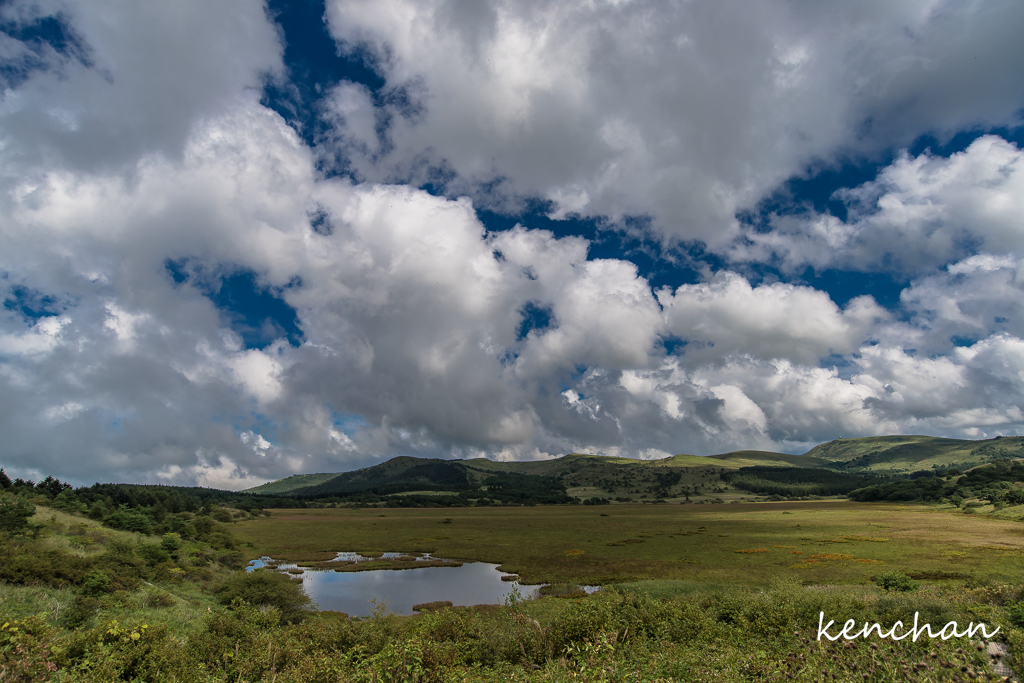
[253,239]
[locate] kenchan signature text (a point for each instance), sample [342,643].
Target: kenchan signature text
[948,631]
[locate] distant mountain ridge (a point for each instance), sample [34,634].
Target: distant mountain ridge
[886,455]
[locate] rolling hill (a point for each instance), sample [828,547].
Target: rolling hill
[907,454]
[289,484]
[394,476]
[602,477]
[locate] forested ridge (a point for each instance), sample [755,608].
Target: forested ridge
[796,481]
[998,482]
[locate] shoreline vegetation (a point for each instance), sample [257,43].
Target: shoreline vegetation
[134,583]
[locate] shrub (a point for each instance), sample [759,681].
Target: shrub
[25,650]
[41,566]
[1014,497]
[129,521]
[14,514]
[97,510]
[431,606]
[585,621]
[96,583]
[896,581]
[153,554]
[1016,613]
[170,542]
[232,559]
[267,587]
[82,609]
[221,515]
[116,652]
[562,590]
[67,501]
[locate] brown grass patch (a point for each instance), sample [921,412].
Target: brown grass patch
[304,556]
[372,565]
[431,606]
[937,576]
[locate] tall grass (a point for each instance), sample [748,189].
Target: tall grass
[700,634]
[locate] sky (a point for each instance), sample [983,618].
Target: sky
[242,240]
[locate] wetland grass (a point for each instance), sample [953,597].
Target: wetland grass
[819,542]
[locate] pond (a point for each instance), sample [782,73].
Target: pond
[474,583]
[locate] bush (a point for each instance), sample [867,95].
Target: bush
[896,581]
[221,515]
[25,650]
[82,609]
[163,600]
[170,542]
[129,521]
[37,566]
[153,554]
[270,588]
[96,583]
[1014,497]
[14,514]
[232,559]
[67,501]
[1016,613]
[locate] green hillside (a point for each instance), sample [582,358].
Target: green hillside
[289,484]
[554,467]
[395,476]
[905,454]
[767,458]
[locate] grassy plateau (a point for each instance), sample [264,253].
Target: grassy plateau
[818,542]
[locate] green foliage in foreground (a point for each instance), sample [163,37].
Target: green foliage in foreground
[270,588]
[625,635]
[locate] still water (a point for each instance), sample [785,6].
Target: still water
[474,583]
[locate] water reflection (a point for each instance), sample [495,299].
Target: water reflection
[474,583]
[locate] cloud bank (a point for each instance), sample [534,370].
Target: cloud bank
[193,296]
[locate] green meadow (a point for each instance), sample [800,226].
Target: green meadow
[832,542]
[693,593]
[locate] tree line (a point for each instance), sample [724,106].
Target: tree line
[796,481]
[997,482]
